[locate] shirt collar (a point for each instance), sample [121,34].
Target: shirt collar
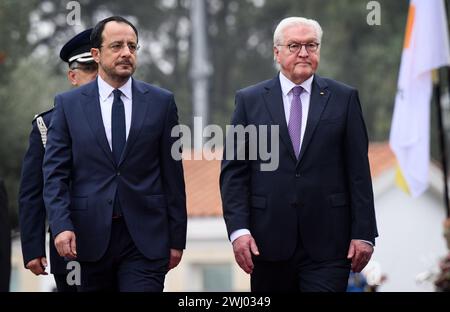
[105,90]
[287,85]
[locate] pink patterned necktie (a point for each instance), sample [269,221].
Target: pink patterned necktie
[295,119]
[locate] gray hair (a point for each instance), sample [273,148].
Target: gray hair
[295,21]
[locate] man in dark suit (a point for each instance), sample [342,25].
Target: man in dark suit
[82,69]
[114,194]
[5,240]
[303,226]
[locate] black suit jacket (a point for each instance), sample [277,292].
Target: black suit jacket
[325,197]
[5,240]
[81,176]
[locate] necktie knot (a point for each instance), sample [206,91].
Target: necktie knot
[296,91]
[117,93]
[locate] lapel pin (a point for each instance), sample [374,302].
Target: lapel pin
[322,93]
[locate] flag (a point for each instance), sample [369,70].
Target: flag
[426,47]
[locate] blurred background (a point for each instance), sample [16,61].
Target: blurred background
[235,51]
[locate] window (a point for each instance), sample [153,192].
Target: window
[216,277]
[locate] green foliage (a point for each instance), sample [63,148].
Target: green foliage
[366,57]
[26,94]
[14,27]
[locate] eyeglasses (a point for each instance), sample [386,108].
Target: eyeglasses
[118,46]
[295,47]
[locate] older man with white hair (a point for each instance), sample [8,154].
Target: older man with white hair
[305,225]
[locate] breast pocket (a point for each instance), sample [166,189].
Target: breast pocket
[333,120]
[151,129]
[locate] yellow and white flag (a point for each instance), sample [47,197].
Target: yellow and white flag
[426,47]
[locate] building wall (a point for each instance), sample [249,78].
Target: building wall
[207,247]
[23,280]
[411,238]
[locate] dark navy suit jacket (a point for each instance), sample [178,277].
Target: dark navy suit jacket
[325,197]
[5,240]
[32,214]
[81,176]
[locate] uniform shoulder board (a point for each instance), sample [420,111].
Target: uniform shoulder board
[42,126]
[42,114]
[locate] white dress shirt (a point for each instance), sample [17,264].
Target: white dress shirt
[106,98]
[305,96]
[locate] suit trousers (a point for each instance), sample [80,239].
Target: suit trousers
[123,267]
[300,273]
[61,283]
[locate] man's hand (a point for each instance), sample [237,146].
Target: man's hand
[37,266]
[65,244]
[360,253]
[175,258]
[243,248]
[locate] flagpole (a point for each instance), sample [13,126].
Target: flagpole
[441,131]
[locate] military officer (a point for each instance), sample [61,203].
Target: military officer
[81,69]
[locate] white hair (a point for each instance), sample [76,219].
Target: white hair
[295,21]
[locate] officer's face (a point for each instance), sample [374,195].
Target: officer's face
[117,61]
[82,74]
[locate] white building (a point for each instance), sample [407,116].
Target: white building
[411,240]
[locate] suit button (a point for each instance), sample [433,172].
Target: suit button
[110,201]
[118,173]
[297,175]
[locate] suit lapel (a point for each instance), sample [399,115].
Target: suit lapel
[317,103]
[139,110]
[274,103]
[91,107]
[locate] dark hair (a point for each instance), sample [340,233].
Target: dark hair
[96,35]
